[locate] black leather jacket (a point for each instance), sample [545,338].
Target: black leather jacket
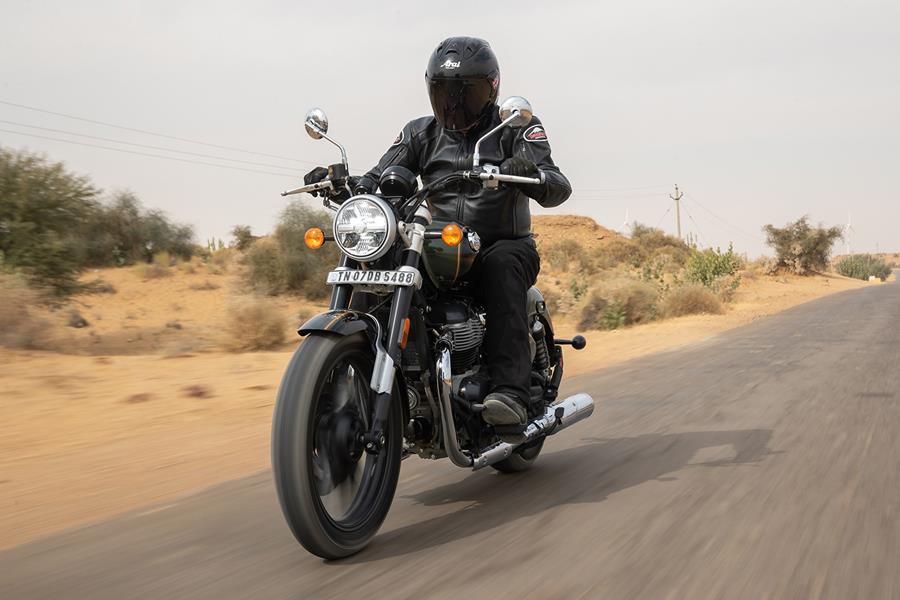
[425,148]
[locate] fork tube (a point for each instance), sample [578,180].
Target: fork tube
[340,294]
[385,366]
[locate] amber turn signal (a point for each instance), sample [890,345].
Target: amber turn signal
[404,337]
[452,234]
[314,238]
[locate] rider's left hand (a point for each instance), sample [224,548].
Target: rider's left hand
[519,166]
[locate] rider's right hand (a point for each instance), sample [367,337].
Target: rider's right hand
[315,176]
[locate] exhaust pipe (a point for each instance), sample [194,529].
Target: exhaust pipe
[555,418]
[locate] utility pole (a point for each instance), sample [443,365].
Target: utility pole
[677,199]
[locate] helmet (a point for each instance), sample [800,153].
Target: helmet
[463,80]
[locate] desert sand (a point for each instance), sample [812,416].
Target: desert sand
[144,407]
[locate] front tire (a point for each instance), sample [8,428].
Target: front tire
[333,494]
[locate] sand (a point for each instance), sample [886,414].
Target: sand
[139,410]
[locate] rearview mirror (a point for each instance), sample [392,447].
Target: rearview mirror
[519,107]
[316,123]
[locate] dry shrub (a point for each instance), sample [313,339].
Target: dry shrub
[265,272]
[222,258]
[152,271]
[191,266]
[254,323]
[655,242]
[205,286]
[552,300]
[561,254]
[691,299]
[620,251]
[19,327]
[628,303]
[163,259]
[98,286]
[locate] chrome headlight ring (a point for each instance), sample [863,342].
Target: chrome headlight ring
[365,227]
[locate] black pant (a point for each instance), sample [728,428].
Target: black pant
[502,274]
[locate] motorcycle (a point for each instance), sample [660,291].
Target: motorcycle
[405,374]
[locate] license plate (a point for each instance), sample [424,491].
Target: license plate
[400,278]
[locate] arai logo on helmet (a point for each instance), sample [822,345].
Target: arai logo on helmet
[535,133]
[450,64]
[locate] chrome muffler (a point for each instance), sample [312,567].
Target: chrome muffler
[555,418]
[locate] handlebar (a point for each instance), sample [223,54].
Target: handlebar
[487,176]
[321,185]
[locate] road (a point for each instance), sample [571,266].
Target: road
[762,463]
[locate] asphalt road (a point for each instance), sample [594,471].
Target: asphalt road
[763,463]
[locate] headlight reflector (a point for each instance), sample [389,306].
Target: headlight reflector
[365,227]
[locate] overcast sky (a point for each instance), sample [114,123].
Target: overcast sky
[761,111]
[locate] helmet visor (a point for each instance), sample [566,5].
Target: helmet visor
[459,103]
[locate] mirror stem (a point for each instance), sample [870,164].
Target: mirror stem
[476,156]
[341,148]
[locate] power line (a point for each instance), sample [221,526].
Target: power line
[691,217]
[163,148]
[642,187]
[153,133]
[734,228]
[665,214]
[183,160]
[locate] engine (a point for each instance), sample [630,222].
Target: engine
[467,337]
[458,320]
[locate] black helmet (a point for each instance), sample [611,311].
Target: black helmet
[463,80]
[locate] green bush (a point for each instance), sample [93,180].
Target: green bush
[43,209]
[123,233]
[283,263]
[715,270]
[53,224]
[243,237]
[863,266]
[800,248]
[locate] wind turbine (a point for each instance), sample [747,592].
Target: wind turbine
[626,226]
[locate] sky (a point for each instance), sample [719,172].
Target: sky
[761,112]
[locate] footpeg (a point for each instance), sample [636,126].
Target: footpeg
[578,342]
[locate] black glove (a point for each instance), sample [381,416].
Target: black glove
[315,176]
[518,166]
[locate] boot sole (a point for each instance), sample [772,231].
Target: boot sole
[498,413]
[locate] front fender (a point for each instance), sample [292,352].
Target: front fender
[348,322]
[340,322]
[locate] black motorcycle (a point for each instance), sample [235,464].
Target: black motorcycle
[401,372]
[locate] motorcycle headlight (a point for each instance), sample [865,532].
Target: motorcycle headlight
[365,228]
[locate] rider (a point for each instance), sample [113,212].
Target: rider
[463,80]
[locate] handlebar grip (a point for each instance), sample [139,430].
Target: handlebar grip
[508,178]
[320,185]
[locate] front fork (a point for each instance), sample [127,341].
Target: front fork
[387,347]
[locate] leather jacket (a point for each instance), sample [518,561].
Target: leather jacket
[428,150]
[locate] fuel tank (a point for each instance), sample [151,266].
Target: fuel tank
[446,265]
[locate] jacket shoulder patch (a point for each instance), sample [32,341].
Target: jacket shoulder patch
[399,138]
[535,133]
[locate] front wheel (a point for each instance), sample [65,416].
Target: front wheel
[333,494]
